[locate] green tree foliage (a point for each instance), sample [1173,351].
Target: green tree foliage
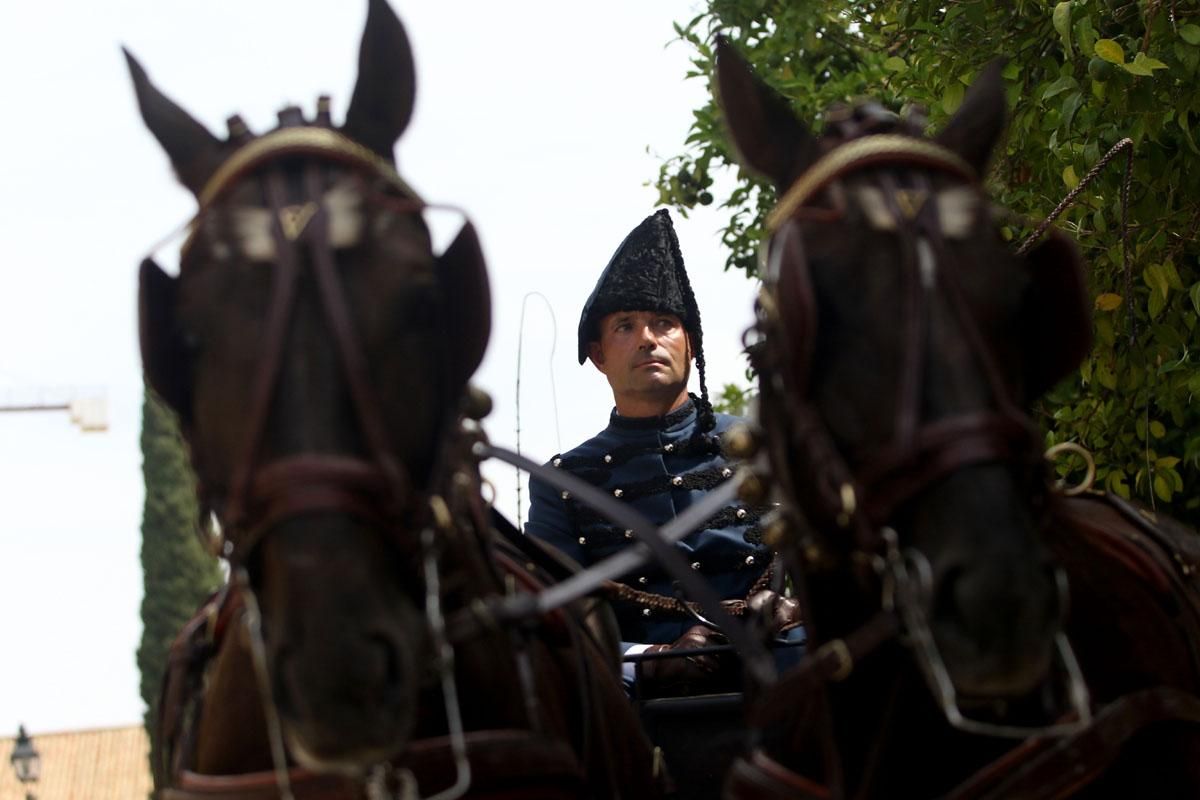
[177,573]
[1081,75]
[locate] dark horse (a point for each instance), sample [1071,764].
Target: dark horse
[902,341]
[316,347]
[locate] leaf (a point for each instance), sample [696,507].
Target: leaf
[1109,302]
[1143,65]
[1156,278]
[1162,488]
[1110,51]
[1157,429]
[1069,107]
[953,97]
[1059,86]
[1115,482]
[1182,119]
[895,64]
[1190,34]
[1069,177]
[1171,275]
[1166,462]
[1062,24]
[1156,304]
[1196,297]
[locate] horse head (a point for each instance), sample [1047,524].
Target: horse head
[903,343]
[316,346]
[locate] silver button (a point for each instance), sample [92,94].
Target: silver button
[643,580]
[557,462]
[583,540]
[607,458]
[617,492]
[741,513]
[628,533]
[566,495]
[727,473]
[749,561]
[667,448]
[645,612]
[677,481]
[695,565]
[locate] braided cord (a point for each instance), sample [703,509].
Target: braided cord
[673,605]
[1068,201]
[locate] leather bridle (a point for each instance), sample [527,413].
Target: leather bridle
[376,487]
[848,500]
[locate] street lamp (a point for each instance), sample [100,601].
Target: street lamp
[26,761]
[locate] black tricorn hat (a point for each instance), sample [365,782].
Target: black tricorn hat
[646,273]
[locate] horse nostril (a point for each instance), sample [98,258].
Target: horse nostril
[389,658]
[946,605]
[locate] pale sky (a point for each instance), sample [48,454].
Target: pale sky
[543,119]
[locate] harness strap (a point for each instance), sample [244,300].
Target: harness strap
[832,661]
[505,765]
[1037,769]
[763,778]
[1058,768]
[182,683]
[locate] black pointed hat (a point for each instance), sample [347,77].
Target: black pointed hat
[646,273]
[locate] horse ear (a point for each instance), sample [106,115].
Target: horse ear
[194,152]
[976,127]
[768,137]
[1058,321]
[165,358]
[466,303]
[383,98]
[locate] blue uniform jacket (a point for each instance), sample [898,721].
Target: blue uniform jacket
[660,466]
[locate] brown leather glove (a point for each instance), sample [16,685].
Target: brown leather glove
[774,612]
[680,673]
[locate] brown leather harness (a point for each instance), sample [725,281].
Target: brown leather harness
[855,496]
[488,765]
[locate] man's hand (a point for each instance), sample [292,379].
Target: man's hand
[680,673]
[774,612]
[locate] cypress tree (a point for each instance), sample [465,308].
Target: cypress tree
[177,573]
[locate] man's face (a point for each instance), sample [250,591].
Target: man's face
[644,354]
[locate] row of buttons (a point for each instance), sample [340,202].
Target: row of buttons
[741,513]
[676,480]
[669,447]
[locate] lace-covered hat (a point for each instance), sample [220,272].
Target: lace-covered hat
[646,273]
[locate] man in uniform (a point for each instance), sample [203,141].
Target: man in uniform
[661,452]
